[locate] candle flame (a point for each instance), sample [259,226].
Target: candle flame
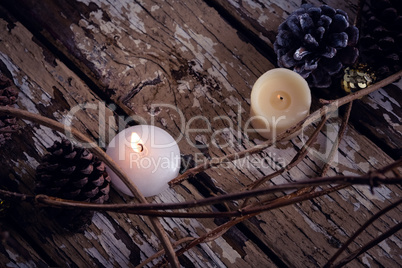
[136,143]
[280,97]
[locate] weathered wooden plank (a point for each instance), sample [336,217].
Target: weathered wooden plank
[263,18]
[378,116]
[334,218]
[50,88]
[15,251]
[172,62]
[43,87]
[342,219]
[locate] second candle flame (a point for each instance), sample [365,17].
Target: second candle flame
[136,143]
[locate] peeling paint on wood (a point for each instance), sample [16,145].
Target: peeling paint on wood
[382,117]
[145,55]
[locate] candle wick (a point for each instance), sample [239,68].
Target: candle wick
[140,147]
[279,97]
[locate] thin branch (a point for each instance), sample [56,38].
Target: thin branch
[296,160]
[325,101]
[330,158]
[226,226]
[299,157]
[332,153]
[16,196]
[5,110]
[55,125]
[161,252]
[148,209]
[237,213]
[360,230]
[387,168]
[369,245]
[8,131]
[335,146]
[330,107]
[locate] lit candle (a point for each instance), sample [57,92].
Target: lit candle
[280,98]
[148,155]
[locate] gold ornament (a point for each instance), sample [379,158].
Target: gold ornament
[357,77]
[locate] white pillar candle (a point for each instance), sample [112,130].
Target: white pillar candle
[148,155]
[279,99]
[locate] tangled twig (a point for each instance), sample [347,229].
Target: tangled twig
[160,231]
[328,108]
[360,230]
[152,209]
[373,179]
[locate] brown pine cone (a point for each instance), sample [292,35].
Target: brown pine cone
[72,173]
[8,97]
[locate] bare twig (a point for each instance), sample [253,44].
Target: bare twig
[16,196]
[360,230]
[150,208]
[226,226]
[161,252]
[330,107]
[296,160]
[387,168]
[325,102]
[8,131]
[332,153]
[369,245]
[299,156]
[6,110]
[339,138]
[327,165]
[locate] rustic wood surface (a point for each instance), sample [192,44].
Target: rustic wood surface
[379,115]
[164,63]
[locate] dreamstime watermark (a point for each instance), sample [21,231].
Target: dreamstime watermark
[236,132]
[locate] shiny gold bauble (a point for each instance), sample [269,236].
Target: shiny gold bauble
[357,77]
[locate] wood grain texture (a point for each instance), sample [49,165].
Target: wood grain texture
[180,66]
[50,88]
[378,116]
[15,251]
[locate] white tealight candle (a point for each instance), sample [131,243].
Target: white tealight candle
[148,155]
[279,99]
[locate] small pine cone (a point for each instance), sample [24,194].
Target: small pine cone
[8,97]
[72,173]
[317,42]
[381,41]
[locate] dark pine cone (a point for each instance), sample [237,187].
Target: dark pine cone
[317,42]
[72,173]
[381,41]
[8,97]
